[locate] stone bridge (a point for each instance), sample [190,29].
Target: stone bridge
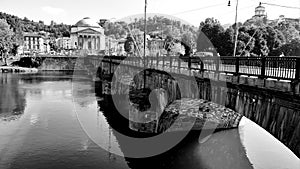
[269,99]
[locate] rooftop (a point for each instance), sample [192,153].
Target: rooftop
[87,22]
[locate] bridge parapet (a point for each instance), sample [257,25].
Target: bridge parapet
[274,73]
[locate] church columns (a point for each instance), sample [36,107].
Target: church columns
[95,42]
[85,42]
[99,42]
[89,41]
[80,41]
[83,39]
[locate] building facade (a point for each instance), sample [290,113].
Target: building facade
[34,43]
[282,18]
[64,43]
[260,17]
[87,35]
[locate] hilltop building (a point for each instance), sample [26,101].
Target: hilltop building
[282,18]
[259,16]
[87,35]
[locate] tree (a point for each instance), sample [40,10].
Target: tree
[169,43]
[129,45]
[209,37]
[6,40]
[188,41]
[188,38]
[274,39]
[226,48]
[26,19]
[172,31]
[288,30]
[290,49]
[203,42]
[245,44]
[53,45]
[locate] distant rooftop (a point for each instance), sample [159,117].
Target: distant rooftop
[87,22]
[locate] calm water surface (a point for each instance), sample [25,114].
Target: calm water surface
[39,128]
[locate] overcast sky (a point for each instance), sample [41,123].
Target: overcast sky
[192,11]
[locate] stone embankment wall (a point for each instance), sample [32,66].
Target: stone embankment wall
[52,63]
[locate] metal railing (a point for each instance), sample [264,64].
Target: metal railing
[281,68]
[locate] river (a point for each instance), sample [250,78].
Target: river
[39,127]
[47,120]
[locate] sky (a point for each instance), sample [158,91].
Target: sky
[191,11]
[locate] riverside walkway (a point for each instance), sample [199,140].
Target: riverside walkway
[7,69]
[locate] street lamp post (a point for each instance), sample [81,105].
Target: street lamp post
[145,28]
[236,27]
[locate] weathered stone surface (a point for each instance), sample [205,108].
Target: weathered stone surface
[180,115]
[201,114]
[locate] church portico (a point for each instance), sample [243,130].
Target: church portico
[87,35]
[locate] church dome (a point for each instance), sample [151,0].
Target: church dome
[87,22]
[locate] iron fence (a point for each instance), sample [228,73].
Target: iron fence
[281,68]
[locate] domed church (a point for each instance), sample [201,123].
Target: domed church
[88,35]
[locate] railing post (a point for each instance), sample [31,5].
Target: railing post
[263,67]
[295,84]
[170,63]
[110,64]
[201,65]
[152,64]
[297,73]
[189,62]
[157,61]
[163,64]
[237,65]
[217,64]
[178,64]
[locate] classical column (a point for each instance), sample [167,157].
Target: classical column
[84,42]
[95,42]
[79,41]
[89,46]
[98,43]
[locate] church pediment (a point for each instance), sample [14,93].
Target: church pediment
[89,31]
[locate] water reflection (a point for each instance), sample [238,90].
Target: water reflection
[48,134]
[248,146]
[222,150]
[12,99]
